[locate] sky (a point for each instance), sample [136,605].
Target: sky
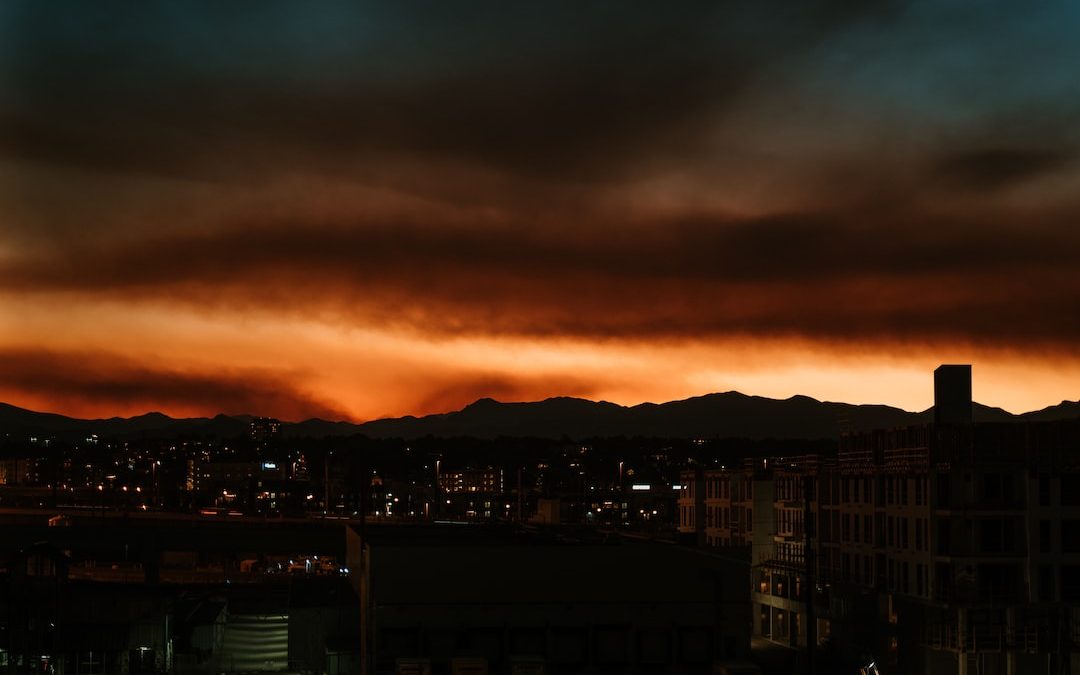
[354,210]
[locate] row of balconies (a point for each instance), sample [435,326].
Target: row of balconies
[949,637]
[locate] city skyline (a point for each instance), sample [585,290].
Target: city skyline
[373,210]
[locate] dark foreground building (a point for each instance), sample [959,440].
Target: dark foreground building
[129,596]
[473,599]
[133,595]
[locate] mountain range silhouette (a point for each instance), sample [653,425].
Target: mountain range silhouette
[722,415]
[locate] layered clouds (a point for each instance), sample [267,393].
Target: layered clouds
[650,202]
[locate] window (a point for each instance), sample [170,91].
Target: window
[1044,489]
[654,647]
[1070,490]
[944,498]
[1046,583]
[943,542]
[1045,543]
[998,582]
[990,536]
[1070,536]
[611,644]
[779,624]
[568,646]
[995,535]
[1070,583]
[92,662]
[38,565]
[694,645]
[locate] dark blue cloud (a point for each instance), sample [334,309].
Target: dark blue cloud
[558,88]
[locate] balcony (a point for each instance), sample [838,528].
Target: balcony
[947,637]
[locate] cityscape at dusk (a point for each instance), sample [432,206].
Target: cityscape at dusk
[380,338]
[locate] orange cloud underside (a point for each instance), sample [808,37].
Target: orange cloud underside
[103,359]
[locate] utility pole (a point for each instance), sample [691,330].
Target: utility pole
[809,594]
[699,502]
[326,482]
[520,494]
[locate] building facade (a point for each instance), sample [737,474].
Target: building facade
[950,547]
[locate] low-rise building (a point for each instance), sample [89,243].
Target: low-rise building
[505,600]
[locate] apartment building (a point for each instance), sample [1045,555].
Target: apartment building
[727,495]
[950,547]
[760,505]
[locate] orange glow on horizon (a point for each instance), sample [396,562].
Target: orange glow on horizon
[366,374]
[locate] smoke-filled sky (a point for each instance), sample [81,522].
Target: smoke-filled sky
[357,209]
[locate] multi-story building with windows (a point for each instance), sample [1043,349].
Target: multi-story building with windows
[481,481]
[728,494]
[950,547]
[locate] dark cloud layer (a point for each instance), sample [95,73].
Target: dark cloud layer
[567,90]
[108,381]
[822,277]
[553,170]
[995,168]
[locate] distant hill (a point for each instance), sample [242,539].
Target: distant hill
[16,421]
[725,415]
[1062,411]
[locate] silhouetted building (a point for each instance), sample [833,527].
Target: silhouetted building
[952,395]
[480,599]
[265,429]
